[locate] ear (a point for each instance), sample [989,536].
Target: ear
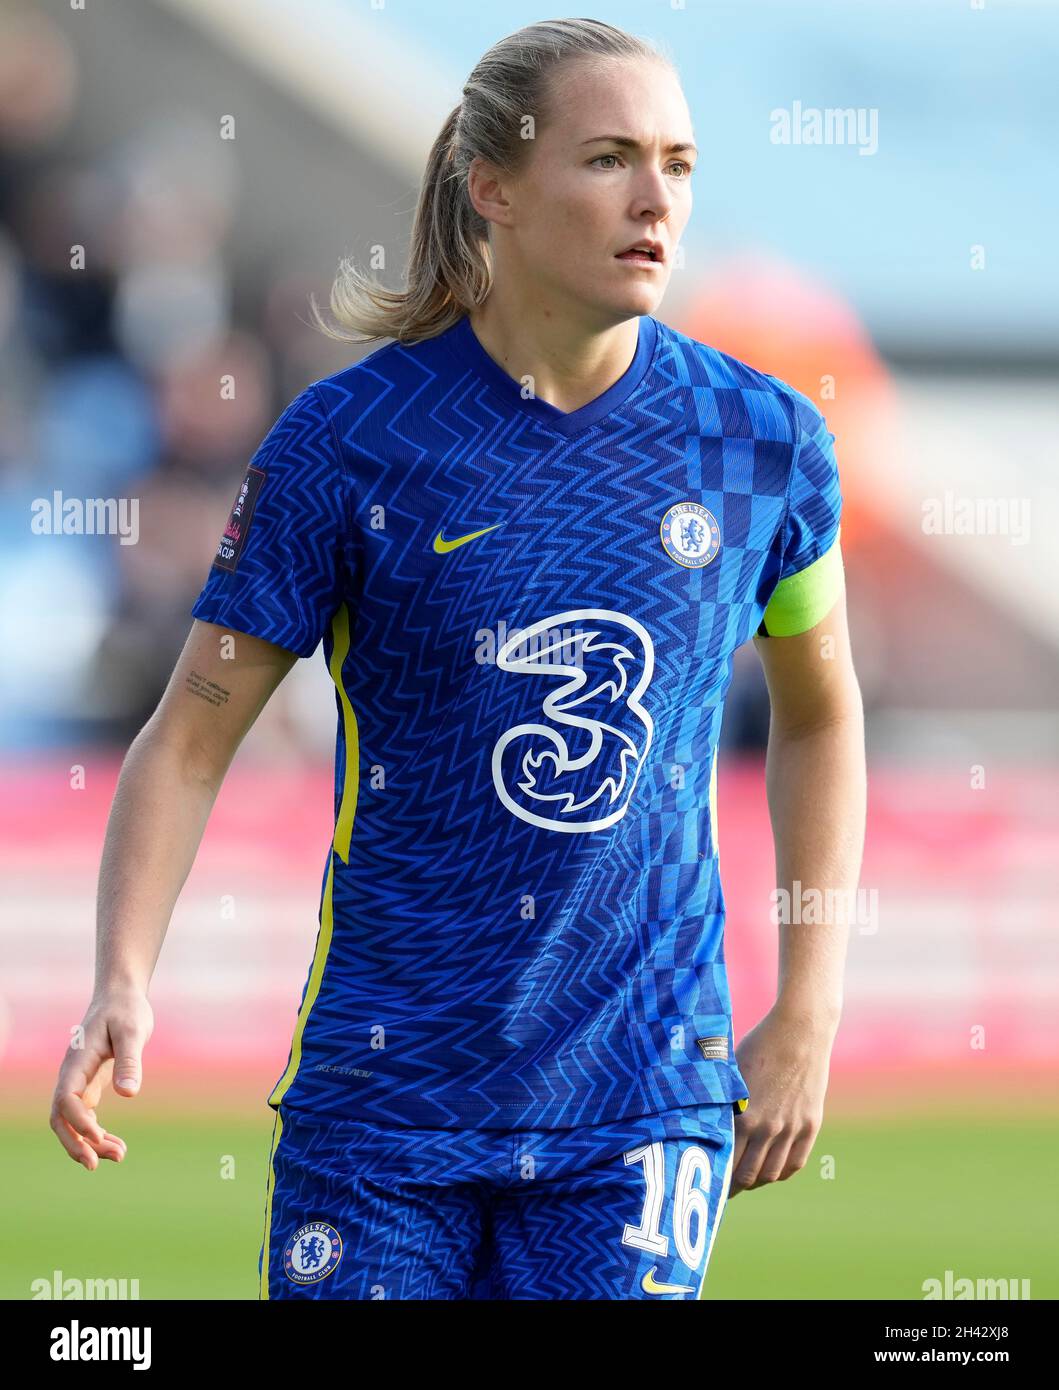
[489,190]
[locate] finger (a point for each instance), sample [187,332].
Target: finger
[74,1103]
[799,1154]
[74,1084]
[80,1132]
[745,1172]
[738,1149]
[81,1122]
[128,1075]
[116,1147]
[742,1138]
[93,1092]
[75,1145]
[775,1161]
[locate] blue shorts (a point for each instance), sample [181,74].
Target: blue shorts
[628,1209]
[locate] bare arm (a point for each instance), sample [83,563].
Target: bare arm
[168,783]
[816,783]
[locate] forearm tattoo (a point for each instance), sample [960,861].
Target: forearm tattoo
[206,689]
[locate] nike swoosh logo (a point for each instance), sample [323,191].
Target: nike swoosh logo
[650,1284]
[442,546]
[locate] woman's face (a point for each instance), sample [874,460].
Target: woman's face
[583,198]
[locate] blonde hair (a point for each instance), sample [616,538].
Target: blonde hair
[450,268]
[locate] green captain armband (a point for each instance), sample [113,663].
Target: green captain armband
[801,600]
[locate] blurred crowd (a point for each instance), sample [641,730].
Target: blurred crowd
[131,366]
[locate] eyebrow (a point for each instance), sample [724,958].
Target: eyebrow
[679,148]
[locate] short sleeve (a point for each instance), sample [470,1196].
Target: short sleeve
[811,575]
[278,571]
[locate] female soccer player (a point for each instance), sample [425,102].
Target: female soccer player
[531,531]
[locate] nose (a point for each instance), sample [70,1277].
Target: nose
[653,195]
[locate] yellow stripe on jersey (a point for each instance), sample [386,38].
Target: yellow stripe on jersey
[800,601]
[340,846]
[351,782]
[277,1130]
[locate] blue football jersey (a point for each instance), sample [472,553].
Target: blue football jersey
[529,617]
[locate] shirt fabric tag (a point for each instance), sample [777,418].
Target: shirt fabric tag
[713,1049]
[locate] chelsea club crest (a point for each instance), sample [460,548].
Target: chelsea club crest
[312,1253]
[690,534]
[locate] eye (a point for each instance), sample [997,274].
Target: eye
[673,164]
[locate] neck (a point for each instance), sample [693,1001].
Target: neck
[568,362]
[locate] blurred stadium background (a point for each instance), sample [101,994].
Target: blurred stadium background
[911,290]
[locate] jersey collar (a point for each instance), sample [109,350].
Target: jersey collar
[464,341]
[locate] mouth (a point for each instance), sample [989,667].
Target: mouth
[642,253]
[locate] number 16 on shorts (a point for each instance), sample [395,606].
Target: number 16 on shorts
[685,1187]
